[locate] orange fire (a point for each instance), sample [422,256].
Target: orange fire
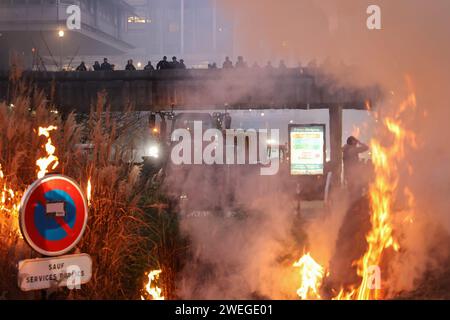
[45,162]
[9,203]
[89,191]
[386,161]
[311,275]
[151,289]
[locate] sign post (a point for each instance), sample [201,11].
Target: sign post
[53,217]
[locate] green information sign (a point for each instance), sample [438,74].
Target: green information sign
[307,149]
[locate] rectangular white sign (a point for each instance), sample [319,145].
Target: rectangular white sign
[55,208]
[66,271]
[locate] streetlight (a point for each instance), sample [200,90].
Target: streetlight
[61,35]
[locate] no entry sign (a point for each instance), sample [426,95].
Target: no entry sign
[53,215]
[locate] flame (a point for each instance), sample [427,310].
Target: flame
[151,289]
[342,295]
[311,275]
[386,161]
[9,203]
[89,191]
[45,162]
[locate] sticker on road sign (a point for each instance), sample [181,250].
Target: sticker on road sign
[53,215]
[70,271]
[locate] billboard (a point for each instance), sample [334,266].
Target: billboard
[307,149]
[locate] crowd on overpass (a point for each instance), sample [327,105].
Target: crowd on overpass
[165,64]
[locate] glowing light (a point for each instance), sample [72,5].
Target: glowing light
[153,152]
[61,33]
[89,191]
[9,204]
[45,162]
[151,289]
[311,275]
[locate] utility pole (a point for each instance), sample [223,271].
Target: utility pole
[61,37]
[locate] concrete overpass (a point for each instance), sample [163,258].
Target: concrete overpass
[199,89]
[205,90]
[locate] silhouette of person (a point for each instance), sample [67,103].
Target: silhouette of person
[227,63]
[241,64]
[182,65]
[106,66]
[163,64]
[352,165]
[174,64]
[282,65]
[97,66]
[149,66]
[81,67]
[130,66]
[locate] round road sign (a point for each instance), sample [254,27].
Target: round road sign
[53,215]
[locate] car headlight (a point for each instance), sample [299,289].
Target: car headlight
[153,152]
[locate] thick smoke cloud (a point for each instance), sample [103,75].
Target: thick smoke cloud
[413,42]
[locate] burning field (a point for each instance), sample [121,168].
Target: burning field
[390,242]
[378,246]
[375,247]
[390,212]
[124,233]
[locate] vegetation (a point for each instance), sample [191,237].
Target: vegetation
[131,227]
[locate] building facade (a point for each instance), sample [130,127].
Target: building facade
[194,30]
[35,31]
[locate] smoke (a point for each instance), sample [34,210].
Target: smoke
[243,250]
[247,256]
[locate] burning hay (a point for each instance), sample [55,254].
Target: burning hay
[385,197]
[117,233]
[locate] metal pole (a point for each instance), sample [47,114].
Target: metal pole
[58,2]
[57,11]
[335,114]
[60,53]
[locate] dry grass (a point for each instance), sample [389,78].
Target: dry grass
[126,235]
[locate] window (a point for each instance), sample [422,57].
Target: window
[135,19]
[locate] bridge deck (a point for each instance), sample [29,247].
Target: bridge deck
[198,89]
